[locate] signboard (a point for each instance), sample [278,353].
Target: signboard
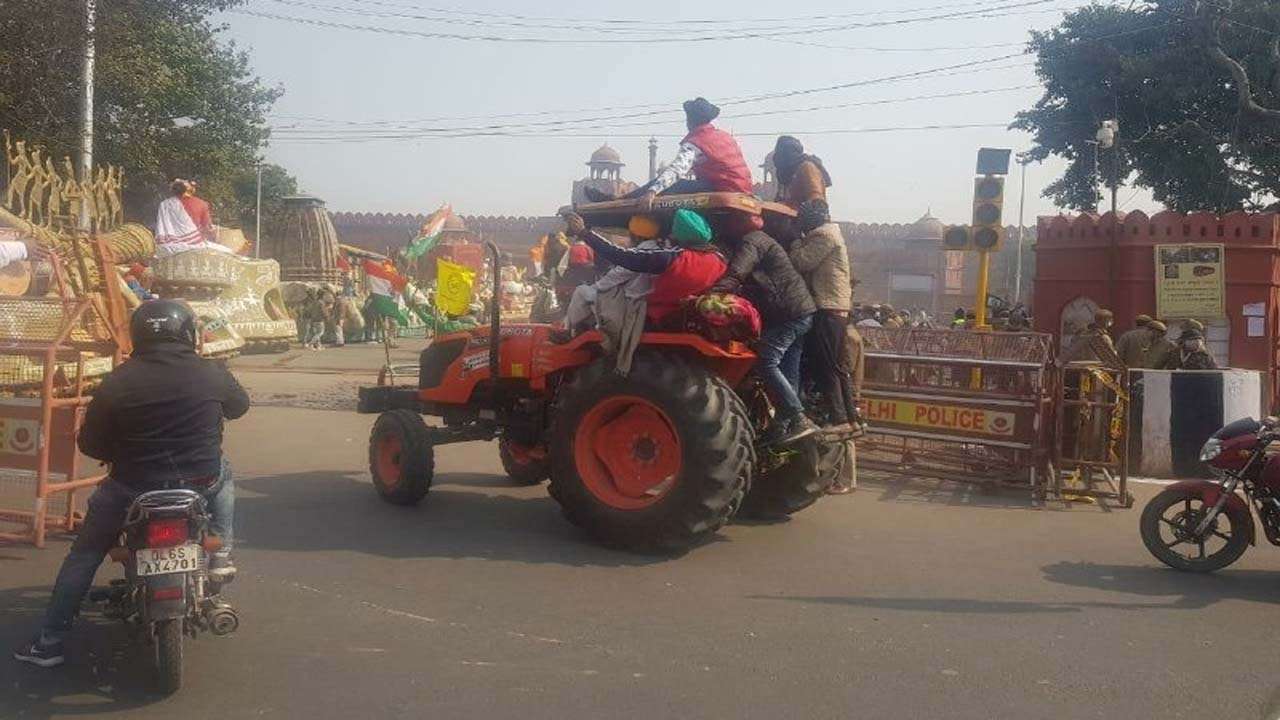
[20,436]
[1190,281]
[1004,422]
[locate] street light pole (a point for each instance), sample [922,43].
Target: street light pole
[257,219]
[85,170]
[1022,230]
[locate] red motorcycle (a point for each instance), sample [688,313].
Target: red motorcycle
[1205,525]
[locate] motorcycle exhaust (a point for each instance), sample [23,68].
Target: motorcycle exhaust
[223,620]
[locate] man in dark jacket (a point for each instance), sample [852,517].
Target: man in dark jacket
[760,271]
[157,420]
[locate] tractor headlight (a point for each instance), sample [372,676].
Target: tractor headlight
[1211,449]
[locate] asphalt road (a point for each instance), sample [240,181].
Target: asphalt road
[904,600]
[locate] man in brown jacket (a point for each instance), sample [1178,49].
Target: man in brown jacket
[1133,345]
[821,258]
[801,177]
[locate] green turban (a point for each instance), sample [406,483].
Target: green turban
[689,229]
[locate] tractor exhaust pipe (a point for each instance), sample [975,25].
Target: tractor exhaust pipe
[495,313]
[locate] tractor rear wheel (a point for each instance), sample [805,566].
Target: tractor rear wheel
[655,461]
[524,465]
[795,481]
[401,458]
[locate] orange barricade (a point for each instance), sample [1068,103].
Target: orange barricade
[51,349]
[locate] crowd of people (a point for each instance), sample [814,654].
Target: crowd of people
[1145,346]
[789,279]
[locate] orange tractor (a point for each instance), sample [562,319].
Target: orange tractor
[658,459]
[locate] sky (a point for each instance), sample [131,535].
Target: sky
[390,121]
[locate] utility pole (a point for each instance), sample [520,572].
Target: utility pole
[1023,160]
[257,219]
[85,170]
[1109,139]
[653,158]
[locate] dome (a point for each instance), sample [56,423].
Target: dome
[454,223]
[927,227]
[605,156]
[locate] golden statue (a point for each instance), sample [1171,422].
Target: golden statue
[114,204]
[71,193]
[101,189]
[34,176]
[54,209]
[34,209]
[19,174]
[89,199]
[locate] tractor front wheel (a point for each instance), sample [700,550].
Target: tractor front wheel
[655,461]
[525,465]
[401,458]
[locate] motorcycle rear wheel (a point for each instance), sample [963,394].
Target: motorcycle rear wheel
[169,655]
[1169,520]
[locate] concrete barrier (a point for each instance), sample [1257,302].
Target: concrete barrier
[1173,412]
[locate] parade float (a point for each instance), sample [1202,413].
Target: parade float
[237,298]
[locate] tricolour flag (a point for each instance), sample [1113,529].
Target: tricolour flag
[385,285]
[429,235]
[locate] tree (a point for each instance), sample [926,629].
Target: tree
[171,98]
[1195,86]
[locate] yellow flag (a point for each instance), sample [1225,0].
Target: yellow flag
[453,287]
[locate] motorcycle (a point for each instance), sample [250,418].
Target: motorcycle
[167,592]
[1209,517]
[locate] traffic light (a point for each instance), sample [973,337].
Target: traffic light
[988,201]
[956,237]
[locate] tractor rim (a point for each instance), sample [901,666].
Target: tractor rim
[524,454]
[627,452]
[390,448]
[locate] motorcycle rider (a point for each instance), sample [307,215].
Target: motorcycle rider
[157,420]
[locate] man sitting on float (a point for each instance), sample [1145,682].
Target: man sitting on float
[184,223]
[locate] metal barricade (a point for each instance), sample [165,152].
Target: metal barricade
[1091,434]
[956,405]
[51,348]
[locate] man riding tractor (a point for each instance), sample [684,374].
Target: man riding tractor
[657,459]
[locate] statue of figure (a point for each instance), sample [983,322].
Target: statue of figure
[19,175]
[32,184]
[53,212]
[71,192]
[34,211]
[101,189]
[114,203]
[89,199]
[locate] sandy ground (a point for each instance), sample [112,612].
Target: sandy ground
[908,599]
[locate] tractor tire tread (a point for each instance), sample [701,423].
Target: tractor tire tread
[418,468]
[718,454]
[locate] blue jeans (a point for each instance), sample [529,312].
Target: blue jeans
[102,524]
[779,350]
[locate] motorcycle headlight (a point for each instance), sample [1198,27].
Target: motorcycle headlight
[1212,448]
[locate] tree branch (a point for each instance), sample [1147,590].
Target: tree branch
[1244,89]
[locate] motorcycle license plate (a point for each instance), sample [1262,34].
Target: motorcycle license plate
[162,561]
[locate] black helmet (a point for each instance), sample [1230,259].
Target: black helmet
[162,321]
